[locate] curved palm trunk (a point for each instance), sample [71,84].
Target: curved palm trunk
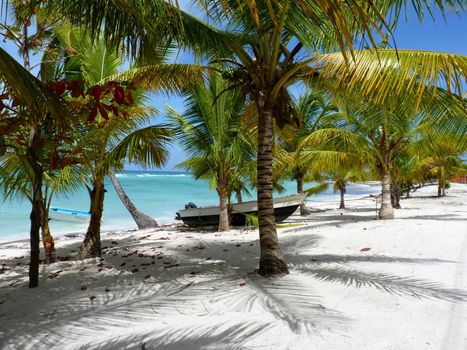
[223,213]
[386,211]
[342,190]
[48,241]
[142,220]
[271,261]
[91,247]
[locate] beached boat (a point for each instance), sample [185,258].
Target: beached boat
[64,214]
[209,216]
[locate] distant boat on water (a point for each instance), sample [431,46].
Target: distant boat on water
[64,214]
[209,216]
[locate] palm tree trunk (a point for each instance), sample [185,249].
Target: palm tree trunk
[386,211]
[142,220]
[441,188]
[48,241]
[91,247]
[238,192]
[271,261]
[342,191]
[395,195]
[223,214]
[303,208]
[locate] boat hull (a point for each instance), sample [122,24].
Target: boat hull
[62,214]
[209,216]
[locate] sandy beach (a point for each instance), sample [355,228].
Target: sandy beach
[355,283]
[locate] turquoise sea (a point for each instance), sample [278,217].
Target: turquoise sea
[158,194]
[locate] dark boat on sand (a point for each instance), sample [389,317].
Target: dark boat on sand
[209,216]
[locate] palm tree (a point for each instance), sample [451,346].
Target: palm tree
[381,134]
[313,111]
[142,220]
[211,132]
[114,139]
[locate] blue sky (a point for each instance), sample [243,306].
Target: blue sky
[446,35]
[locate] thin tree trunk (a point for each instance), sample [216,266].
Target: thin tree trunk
[271,261]
[238,192]
[342,190]
[440,188]
[48,242]
[91,247]
[386,211]
[407,194]
[395,195]
[223,214]
[303,208]
[142,220]
[36,214]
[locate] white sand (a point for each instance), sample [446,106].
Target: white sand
[199,290]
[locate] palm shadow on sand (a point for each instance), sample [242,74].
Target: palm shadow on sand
[206,286]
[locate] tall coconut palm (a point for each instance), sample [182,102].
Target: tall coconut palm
[114,139]
[271,45]
[211,132]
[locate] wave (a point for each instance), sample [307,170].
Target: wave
[163,175]
[121,175]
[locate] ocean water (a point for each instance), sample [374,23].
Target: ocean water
[158,194]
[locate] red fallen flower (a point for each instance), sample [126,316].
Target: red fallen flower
[242,284]
[92,297]
[365,249]
[170,266]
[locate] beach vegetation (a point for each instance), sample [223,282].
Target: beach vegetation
[211,132]
[266,48]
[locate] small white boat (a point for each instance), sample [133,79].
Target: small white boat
[64,214]
[207,216]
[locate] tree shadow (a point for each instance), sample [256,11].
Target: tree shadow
[442,217]
[208,281]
